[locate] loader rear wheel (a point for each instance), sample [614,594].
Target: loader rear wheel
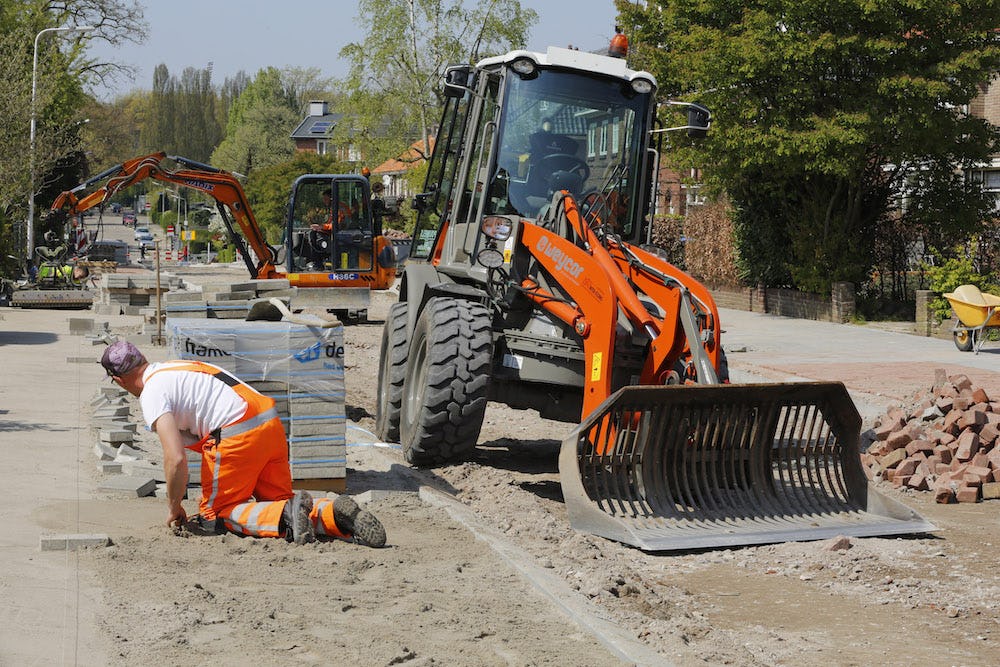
[444,392]
[964,340]
[392,372]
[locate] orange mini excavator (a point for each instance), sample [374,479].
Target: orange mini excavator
[332,244]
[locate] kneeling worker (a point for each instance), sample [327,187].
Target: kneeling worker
[246,481]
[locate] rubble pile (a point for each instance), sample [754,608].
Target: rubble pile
[947,444]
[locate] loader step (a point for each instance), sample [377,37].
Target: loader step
[690,467]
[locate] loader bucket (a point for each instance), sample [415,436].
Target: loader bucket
[706,466]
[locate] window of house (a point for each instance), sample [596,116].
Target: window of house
[604,138]
[321,147]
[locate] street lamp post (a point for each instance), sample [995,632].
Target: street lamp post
[31,152]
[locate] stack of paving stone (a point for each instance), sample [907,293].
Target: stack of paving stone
[130,293]
[121,455]
[301,367]
[232,302]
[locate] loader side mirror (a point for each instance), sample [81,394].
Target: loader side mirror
[699,119]
[420,201]
[456,81]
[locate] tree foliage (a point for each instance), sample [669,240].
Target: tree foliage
[827,117]
[393,86]
[62,73]
[259,126]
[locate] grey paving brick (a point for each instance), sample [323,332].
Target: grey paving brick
[72,542]
[127,485]
[117,436]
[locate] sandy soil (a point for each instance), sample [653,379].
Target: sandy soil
[441,595]
[928,600]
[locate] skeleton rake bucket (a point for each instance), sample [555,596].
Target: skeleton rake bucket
[691,467]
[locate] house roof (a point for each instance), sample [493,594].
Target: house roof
[317,127]
[406,160]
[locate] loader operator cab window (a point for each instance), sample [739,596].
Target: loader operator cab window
[569,131]
[330,226]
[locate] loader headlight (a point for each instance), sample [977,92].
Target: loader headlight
[491,258]
[642,86]
[524,66]
[496,227]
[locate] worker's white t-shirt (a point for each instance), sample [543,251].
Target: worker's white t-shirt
[199,402]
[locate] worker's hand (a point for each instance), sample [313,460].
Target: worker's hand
[177,517]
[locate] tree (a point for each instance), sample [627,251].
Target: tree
[61,76]
[259,126]
[393,91]
[826,115]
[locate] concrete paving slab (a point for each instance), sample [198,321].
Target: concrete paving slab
[127,485]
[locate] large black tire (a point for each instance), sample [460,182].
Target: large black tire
[444,393]
[392,372]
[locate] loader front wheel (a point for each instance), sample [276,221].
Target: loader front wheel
[445,388]
[964,340]
[392,372]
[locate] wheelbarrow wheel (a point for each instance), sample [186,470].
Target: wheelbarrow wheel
[964,340]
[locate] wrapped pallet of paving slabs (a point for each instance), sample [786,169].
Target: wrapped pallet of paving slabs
[301,367]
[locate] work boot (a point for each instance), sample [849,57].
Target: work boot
[295,515]
[359,523]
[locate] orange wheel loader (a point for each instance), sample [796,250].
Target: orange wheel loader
[531,281]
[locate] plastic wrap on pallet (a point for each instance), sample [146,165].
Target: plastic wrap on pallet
[300,367]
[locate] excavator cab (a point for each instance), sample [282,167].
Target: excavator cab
[330,225]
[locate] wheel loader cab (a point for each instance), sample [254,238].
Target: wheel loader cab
[330,227]
[519,128]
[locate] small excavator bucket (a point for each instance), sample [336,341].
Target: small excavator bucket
[708,466]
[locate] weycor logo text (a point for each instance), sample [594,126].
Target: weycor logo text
[197,350]
[563,262]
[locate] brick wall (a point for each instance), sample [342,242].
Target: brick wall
[838,307]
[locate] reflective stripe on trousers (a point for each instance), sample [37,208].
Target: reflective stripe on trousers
[262,519]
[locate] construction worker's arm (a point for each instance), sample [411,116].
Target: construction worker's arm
[175,467]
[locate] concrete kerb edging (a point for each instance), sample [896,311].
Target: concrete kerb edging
[572,603]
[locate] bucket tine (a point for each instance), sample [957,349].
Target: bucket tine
[690,467]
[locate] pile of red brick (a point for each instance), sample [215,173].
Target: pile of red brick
[948,444]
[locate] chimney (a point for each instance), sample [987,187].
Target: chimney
[318,108]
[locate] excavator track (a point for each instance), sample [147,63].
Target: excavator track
[691,467]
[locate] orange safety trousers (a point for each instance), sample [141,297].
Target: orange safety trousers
[245,476]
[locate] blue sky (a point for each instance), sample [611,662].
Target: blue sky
[252,34]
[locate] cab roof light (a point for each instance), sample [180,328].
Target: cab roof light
[619,44]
